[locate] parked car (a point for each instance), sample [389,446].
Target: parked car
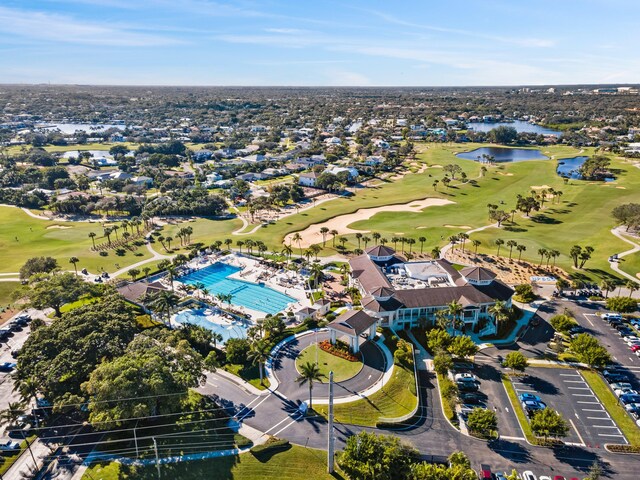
[7,444]
[619,385]
[628,398]
[23,317]
[528,475]
[544,477]
[613,376]
[21,426]
[635,348]
[559,477]
[529,396]
[467,386]
[531,406]
[632,407]
[611,316]
[465,377]
[14,326]
[7,366]
[625,391]
[485,472]
[4,333]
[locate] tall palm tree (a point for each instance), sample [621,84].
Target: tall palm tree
[164,302]
[476,244]
[511,244]
[75,261]
[92,236]
[240,244]
[287,251]
[376,236]
[542,252]
[499,243]
[422,240]
[520,248]
[323,232]
[10,416]
[499,312]
[435,252]
[216,337]
[455,309]
[298,238]
[333,234]
[607,285]
[309,373]
[464,237]
[258,355]
[631,286]
[147,271]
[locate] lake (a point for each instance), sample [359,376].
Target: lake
[502,154]
[70,128]
[519,125]
[570,167]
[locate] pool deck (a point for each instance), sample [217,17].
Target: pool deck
[251,271]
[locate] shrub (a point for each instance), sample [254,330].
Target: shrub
[237,350]
[524,293]
[622,304]
[562,323]
[339,349]
[270,445]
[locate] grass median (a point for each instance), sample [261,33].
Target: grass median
[515,404]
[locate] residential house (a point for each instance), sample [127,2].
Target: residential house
[308,179]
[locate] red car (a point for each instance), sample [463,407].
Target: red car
[635,348]
[559,477]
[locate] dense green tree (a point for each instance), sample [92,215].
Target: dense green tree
[463,346]
[482,421]
[38,265]
[438,340]
[156,371]
[516,361]
[57,358]
[53,290]
[622,304]
[562,323]
[588,350]
[503,134]
[368,456]
[549,423]
[442,363]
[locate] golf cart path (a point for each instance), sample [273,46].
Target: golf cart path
[448,246]
[614,265]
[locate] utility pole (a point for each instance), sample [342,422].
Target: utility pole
[155,448]
[331,438]
[135,439]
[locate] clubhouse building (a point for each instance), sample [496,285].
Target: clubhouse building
[399,293]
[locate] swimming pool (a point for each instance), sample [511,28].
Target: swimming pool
[226,328]
[247,294]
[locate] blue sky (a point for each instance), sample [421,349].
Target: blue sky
[286,42]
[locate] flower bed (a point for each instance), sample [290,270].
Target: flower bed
[340,349]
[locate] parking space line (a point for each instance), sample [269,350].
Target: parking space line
[577,432]
[609,435]
[569,375]
[604,426]
[593,410]
[578,388]
[583,395]
[591,403]
[573,381]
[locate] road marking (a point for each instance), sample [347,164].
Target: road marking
[577,433]
[610,435]
[604,426]
[569,375]
[578,388]
[591,403]
[583,395]
[286,426]
[573,381]
[512,438]
[212,384]
[593,410]
[250,408]
[597,418]
[287,418]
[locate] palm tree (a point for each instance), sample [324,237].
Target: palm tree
[365,240]
[333,234]
[240,243]
[258,355]
[499,243]
[358,237]
[511,244]
[287,251]
[164,302]
[309,373]
[92,236]
[464,237]
[169,240]
[298,238]
[216,337]
[147,271]
[453,239]
[422,240]
[395,241]
[542,252]
[435,252]
[133,273]
[555,254]
[454,309]
[520,248]
[75,261]
[323,232]
[476,244]
[607,285]
[499,312]
[10,416]
[227,242]
[376,236]
[107,233]
[631,286]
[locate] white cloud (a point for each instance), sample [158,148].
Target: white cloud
[36,25]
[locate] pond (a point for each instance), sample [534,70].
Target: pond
[519,125]
[570,168]
[503,154]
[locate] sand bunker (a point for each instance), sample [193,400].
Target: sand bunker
[461,227]
[505,174]
[540,187]
[62,227]
[622,188]
[311,235]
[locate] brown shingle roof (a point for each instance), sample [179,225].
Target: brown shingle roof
[478,274]
[368,273]
[135,291]
[353,322]
[380,251]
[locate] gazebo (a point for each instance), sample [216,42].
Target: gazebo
[353,324]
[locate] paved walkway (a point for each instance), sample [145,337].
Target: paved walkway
[449,245]
[528,311]
[636,248]
[423,358]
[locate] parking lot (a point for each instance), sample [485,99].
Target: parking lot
[566,391]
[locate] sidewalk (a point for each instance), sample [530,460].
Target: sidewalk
[424,359]
[528,311]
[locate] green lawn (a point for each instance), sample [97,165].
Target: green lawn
[610,402]
[249,373]
[342,369]
[582,215]
[296,462]
[6,289]
[397,398]
[61,240]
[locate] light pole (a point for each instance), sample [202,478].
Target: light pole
[155,448]
[316,334]
[330,439]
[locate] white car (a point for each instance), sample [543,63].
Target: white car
[528,475]
[621,385]
[624,391]
[631,339]
[544,477]
[611,316]
[632,406]
[465,377]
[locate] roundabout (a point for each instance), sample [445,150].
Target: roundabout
[342,369]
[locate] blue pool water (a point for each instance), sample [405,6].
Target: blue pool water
[247,294]
[235,329]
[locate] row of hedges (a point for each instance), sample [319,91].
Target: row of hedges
[339,349]
[271,445]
